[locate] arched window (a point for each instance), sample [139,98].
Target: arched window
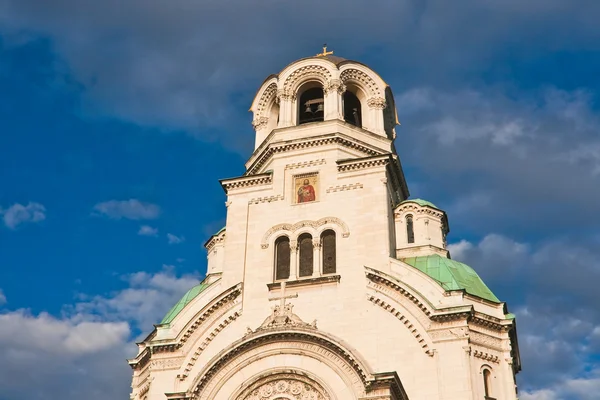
[328,249]
[487,384]
[410,230]
[282,258]
[352,109]
[311,106]
[306,254]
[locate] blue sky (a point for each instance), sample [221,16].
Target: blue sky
[117,120]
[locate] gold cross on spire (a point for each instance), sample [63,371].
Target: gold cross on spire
[325,52]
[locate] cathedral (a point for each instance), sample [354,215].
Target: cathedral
[328,282]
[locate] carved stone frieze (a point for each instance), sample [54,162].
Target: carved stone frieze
[166,363]
[485,340]
[284,386]
[341,188]
[456,333]
[415,208]
[487,356]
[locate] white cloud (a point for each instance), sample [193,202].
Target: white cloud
[18,214]
[146,230]
[128,209]
[87,346]
[174,239]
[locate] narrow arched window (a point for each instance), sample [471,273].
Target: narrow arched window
[282,258]
[487,388]
[305,246]
[328,251]
[410,230]
[312,103]
[352,109]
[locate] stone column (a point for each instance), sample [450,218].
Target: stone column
[293,260]
[286,105]
[333,99]
[376,107]
[317,268]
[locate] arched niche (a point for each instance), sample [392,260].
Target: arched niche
[310,106]
[354,105]
[343,373]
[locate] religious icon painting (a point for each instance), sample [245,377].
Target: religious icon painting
[306,187]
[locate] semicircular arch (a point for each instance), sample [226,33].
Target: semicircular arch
[289,347]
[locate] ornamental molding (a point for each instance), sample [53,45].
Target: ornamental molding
[449,334]
[291,385]
[268,96]
[417,209]
[291,228]
[335,85]
[246,182]
[420,338]
[208,338]
[485,340]
[306,73]
[376,103]
[266,199]
[302,341]
[342,188]
[166,363]
[305,164]
[380,280]
[486,356]
[364,163]
[259,123]
[216,309]
[362,80]
[215,240]
[306,144]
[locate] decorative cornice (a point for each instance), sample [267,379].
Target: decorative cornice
[305,144]
[264,244]
[364,163]
[417,209]
[486,356]
[305,164]
[341,188]
[402,318]
[306,282]
[214,240]
[246,181]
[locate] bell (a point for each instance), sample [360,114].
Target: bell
[320,108]
[308,110]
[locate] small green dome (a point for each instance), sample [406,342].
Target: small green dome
[185,300]
[421,202]
[452,275]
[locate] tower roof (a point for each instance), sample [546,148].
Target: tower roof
[185,300]
[452,275]
[421,202]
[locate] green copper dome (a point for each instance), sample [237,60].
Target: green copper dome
[185,300]
[421,202]
[452,275]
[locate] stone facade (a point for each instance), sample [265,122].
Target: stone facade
[371,326]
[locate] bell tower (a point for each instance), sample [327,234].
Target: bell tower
[327,281]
